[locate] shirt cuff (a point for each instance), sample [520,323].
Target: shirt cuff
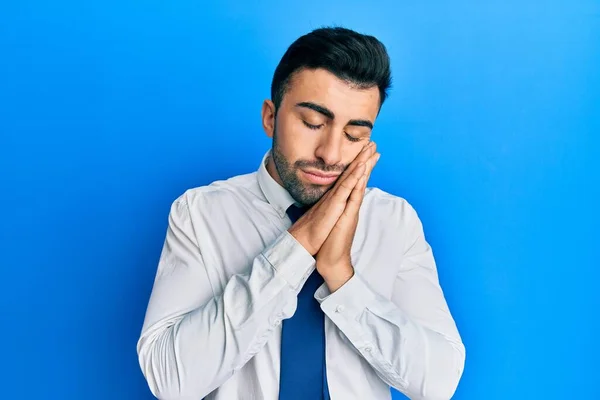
[348,302]
[290,259]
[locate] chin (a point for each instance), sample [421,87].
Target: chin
[313,194]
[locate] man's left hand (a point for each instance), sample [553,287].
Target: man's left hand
[333,259]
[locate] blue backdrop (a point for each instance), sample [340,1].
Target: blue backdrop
[111,109]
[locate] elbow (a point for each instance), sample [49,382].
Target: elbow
[159,365]
[162,380]
[439,380]
[445,374]
[457,368]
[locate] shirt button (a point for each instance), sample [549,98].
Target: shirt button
[339,308]
[368,349]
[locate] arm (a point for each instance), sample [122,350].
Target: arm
[192,341]
[411,340]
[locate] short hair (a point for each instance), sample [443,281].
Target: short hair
[361,60]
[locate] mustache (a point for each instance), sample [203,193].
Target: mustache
[320,165]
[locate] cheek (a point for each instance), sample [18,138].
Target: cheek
[350,154]
[355,149]
[296,140]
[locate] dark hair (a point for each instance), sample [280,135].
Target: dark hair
[359,59]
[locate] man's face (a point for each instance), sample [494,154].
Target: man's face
[321,126]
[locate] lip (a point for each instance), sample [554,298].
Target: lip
[320,179]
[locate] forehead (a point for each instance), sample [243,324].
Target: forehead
[322,87]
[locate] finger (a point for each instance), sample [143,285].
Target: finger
[350,169]
[362,157]
[367,155]
[342,192]
[366,152]
[369,168]
[370,163]
[356,197]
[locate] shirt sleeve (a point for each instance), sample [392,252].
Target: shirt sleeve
[192,341]
[411,340]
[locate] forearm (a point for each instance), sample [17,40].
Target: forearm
[419,361]
[187,353]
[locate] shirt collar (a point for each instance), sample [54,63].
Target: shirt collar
[276,194]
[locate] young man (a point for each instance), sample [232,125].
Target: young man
[296,281]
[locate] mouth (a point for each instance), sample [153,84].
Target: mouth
[320,178]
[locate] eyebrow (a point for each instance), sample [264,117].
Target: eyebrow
[329,114]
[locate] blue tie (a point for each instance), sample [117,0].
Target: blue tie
[303,375]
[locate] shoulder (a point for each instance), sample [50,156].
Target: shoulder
[389,207]
[219,195]
[392,216]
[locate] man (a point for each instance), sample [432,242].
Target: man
[253,300]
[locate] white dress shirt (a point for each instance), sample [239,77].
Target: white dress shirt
[230,272]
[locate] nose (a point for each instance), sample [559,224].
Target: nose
[330,148]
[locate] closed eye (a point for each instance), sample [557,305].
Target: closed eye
[315,127]
[311,126]
[352,138]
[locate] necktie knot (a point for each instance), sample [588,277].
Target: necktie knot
[295,212]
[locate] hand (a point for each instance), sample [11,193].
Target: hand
[333,259]
[314,226]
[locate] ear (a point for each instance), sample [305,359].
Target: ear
[268,117]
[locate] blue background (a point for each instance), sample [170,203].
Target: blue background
[111,109]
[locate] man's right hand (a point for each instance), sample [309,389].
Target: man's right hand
[312,229]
